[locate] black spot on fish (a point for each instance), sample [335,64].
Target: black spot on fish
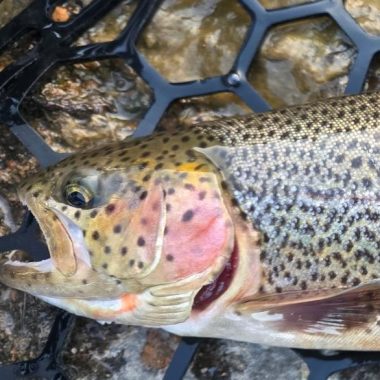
[117,229]
[146,178]
[344,279]
[357,162]
[202,195]
[141,241]
[110,209]
[143,195]
[187,216]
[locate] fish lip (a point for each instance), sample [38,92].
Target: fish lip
[50,264]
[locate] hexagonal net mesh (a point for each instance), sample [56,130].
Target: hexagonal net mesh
[56,26]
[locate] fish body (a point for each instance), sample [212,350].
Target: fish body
[262,228]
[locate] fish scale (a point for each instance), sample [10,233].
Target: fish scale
[311,187]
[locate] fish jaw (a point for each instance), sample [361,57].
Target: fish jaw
[68,272]
[21,275]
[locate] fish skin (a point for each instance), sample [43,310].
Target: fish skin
[296,192]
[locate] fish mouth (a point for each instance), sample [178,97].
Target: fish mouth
[64,239]
[211,292]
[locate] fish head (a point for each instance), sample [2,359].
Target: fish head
[119,222]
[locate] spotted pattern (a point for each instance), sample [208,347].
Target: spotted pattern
[308,178]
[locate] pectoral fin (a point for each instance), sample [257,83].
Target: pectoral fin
[351,314]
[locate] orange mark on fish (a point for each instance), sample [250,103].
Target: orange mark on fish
[126,303]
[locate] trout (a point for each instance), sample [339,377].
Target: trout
[262,228]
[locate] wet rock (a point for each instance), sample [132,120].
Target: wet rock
[7,223]
[202,38]
[367,372]
[87,104]
[366,13]
[24,320]
[275,4]
[10,9]
[116,352]
[110,26]
[159,348]
[24,325]
[15,165]
[218,359]
[302,61]
[18,49]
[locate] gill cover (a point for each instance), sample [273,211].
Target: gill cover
[179,227]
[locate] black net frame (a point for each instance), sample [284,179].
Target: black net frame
[55,48]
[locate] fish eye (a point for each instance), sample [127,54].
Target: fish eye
[78,196]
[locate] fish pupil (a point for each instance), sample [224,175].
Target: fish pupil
[78,196]
[76,199]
